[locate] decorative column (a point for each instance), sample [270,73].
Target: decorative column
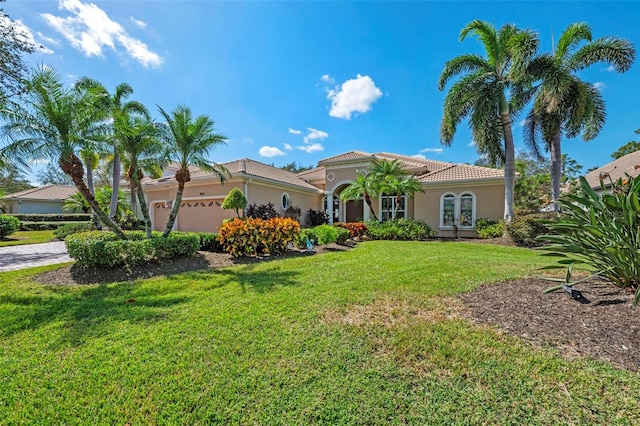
[330,207]
[365,211]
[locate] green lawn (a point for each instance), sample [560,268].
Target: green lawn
[358,337]
[27,237]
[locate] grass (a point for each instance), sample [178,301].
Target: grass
[27,237]
[368,336]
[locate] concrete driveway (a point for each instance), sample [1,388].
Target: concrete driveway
[30,255]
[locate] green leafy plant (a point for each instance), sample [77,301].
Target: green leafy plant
[63,231]
[8,225]
[209,242]
[235,200]
[489,228]
[601,230]
[525,229]
[399,229]
[326,234]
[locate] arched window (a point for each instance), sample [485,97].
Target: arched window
[458,210]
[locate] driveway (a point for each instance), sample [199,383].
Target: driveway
[30,255]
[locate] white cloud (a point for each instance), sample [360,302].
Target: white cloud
[24,33]
[434,150]
[138,22]
[294,131]
[355,96]
[311,148]
[89,29]
[599,85]
[49,40]
[610,68]
[287,146]
[270,151]
[315,134]
[327,79]
[472,143]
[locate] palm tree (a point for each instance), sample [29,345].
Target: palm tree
[189,141]
[76,203]
[116,108]
[481,93]
[91,160]
[53,121]
[142,152]
[363,186]
[564,103]
[391,178]
[399,186]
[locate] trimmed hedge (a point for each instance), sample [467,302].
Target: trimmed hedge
[44,226]
[8,225]
[103,249]
[487,228]
[52,217]
[209,242]
[399,229]
[63,231]
[322,235]
[257,236]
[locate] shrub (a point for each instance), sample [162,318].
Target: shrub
[399,229]
[130,222]
[524,230]
[306,233]
[293,212]
[103,249]
[356,229]
[326,234]
[343,235]
[52,217]
[258,236]
[263,211]
[209,242]
[317,217]
[601,231]
[43,226]
[63,231]
[8,225]
[489,228]
[235,200]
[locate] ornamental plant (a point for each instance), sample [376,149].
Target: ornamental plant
[8,225]
[235,200]
[257,236]
[356,229]
[600,230]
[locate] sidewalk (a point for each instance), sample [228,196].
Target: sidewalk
[30,255]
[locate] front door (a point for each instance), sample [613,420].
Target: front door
[354,211]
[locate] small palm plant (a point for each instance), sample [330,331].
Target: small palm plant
[600,230]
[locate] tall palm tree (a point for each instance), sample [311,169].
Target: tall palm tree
[53,121]
[189,141]
[142,152]
[564,103]
[400,186]
[481,93]
[117,107]
[90,159]
[363,186]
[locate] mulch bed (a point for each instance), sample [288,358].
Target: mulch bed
[74,274]
[603,324]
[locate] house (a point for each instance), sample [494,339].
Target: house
[455,194]
[42,200]
[611,172]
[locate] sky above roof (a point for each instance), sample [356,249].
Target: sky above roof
[303,81]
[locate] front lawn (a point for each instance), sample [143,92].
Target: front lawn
[27,237]
[374,335]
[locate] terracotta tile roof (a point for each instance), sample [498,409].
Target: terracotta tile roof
[347,156]
[410,162]
[313,174]
[48,192]
[629,164]
[461,172]
[245,167]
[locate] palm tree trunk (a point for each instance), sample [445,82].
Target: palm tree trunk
[73,167]
[96,219]
[113,207]
[132,193]
[174,210]
[556,170]
[367,199]
[145,209]
[509,166]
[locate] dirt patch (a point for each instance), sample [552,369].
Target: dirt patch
[602,324]
[389,313]
[74,274]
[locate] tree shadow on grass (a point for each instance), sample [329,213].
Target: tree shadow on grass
[89,313]
[260,280]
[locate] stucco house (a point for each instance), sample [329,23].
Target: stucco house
[455,194]
[42,200]
[617,169]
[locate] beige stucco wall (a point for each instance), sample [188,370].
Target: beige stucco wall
[260,193]
[489,205]
[342,175]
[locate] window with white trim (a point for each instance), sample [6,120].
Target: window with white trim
[285,201]
[389,206]
[458,210]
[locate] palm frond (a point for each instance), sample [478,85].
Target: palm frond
[571,37]
[617,52]
[462,64]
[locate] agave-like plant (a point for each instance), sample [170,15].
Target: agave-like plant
[600,230]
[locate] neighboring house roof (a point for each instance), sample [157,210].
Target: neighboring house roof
[461,172]
[318,173]
[44,193]
[620,168]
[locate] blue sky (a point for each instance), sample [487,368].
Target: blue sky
[302,81]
